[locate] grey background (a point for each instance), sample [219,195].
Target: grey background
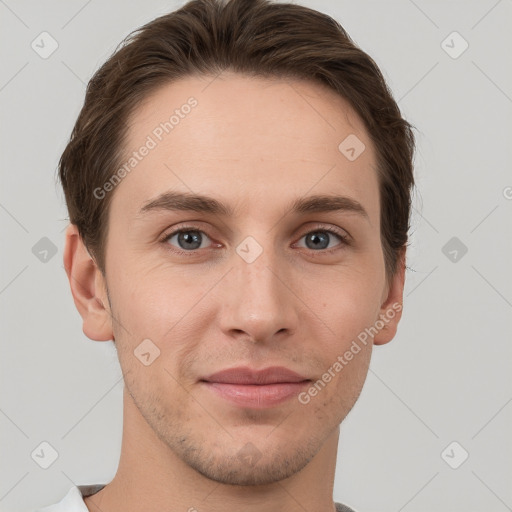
[446,375]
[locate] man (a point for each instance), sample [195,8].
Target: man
[238,183]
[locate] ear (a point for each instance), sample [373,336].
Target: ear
[88,287]
[392,305]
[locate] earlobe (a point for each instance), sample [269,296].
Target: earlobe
[391,309]
[87,287]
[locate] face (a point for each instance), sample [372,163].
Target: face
[245,280]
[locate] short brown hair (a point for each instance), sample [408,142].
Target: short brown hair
[252,37]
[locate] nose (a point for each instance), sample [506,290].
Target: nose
[259,303]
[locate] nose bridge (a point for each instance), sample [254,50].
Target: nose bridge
[256,269]
[259,303]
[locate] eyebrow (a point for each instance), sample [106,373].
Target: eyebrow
[184,201]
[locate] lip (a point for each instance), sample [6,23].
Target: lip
[256,389]
[256,396]
[246,375]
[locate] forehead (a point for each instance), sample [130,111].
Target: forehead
[255,141]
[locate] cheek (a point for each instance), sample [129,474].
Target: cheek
[346,354]
[351,305]
[334,394]
[151,299]
[160,305]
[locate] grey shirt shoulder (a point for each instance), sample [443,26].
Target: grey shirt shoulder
[343,508]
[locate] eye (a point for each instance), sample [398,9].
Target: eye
[320,238]
[188,239]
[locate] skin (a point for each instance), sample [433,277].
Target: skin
[256,145]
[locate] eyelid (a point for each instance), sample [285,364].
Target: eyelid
[342,233]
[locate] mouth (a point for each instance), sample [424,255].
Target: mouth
[256,389]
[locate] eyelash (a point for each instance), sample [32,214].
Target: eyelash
[344,239]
